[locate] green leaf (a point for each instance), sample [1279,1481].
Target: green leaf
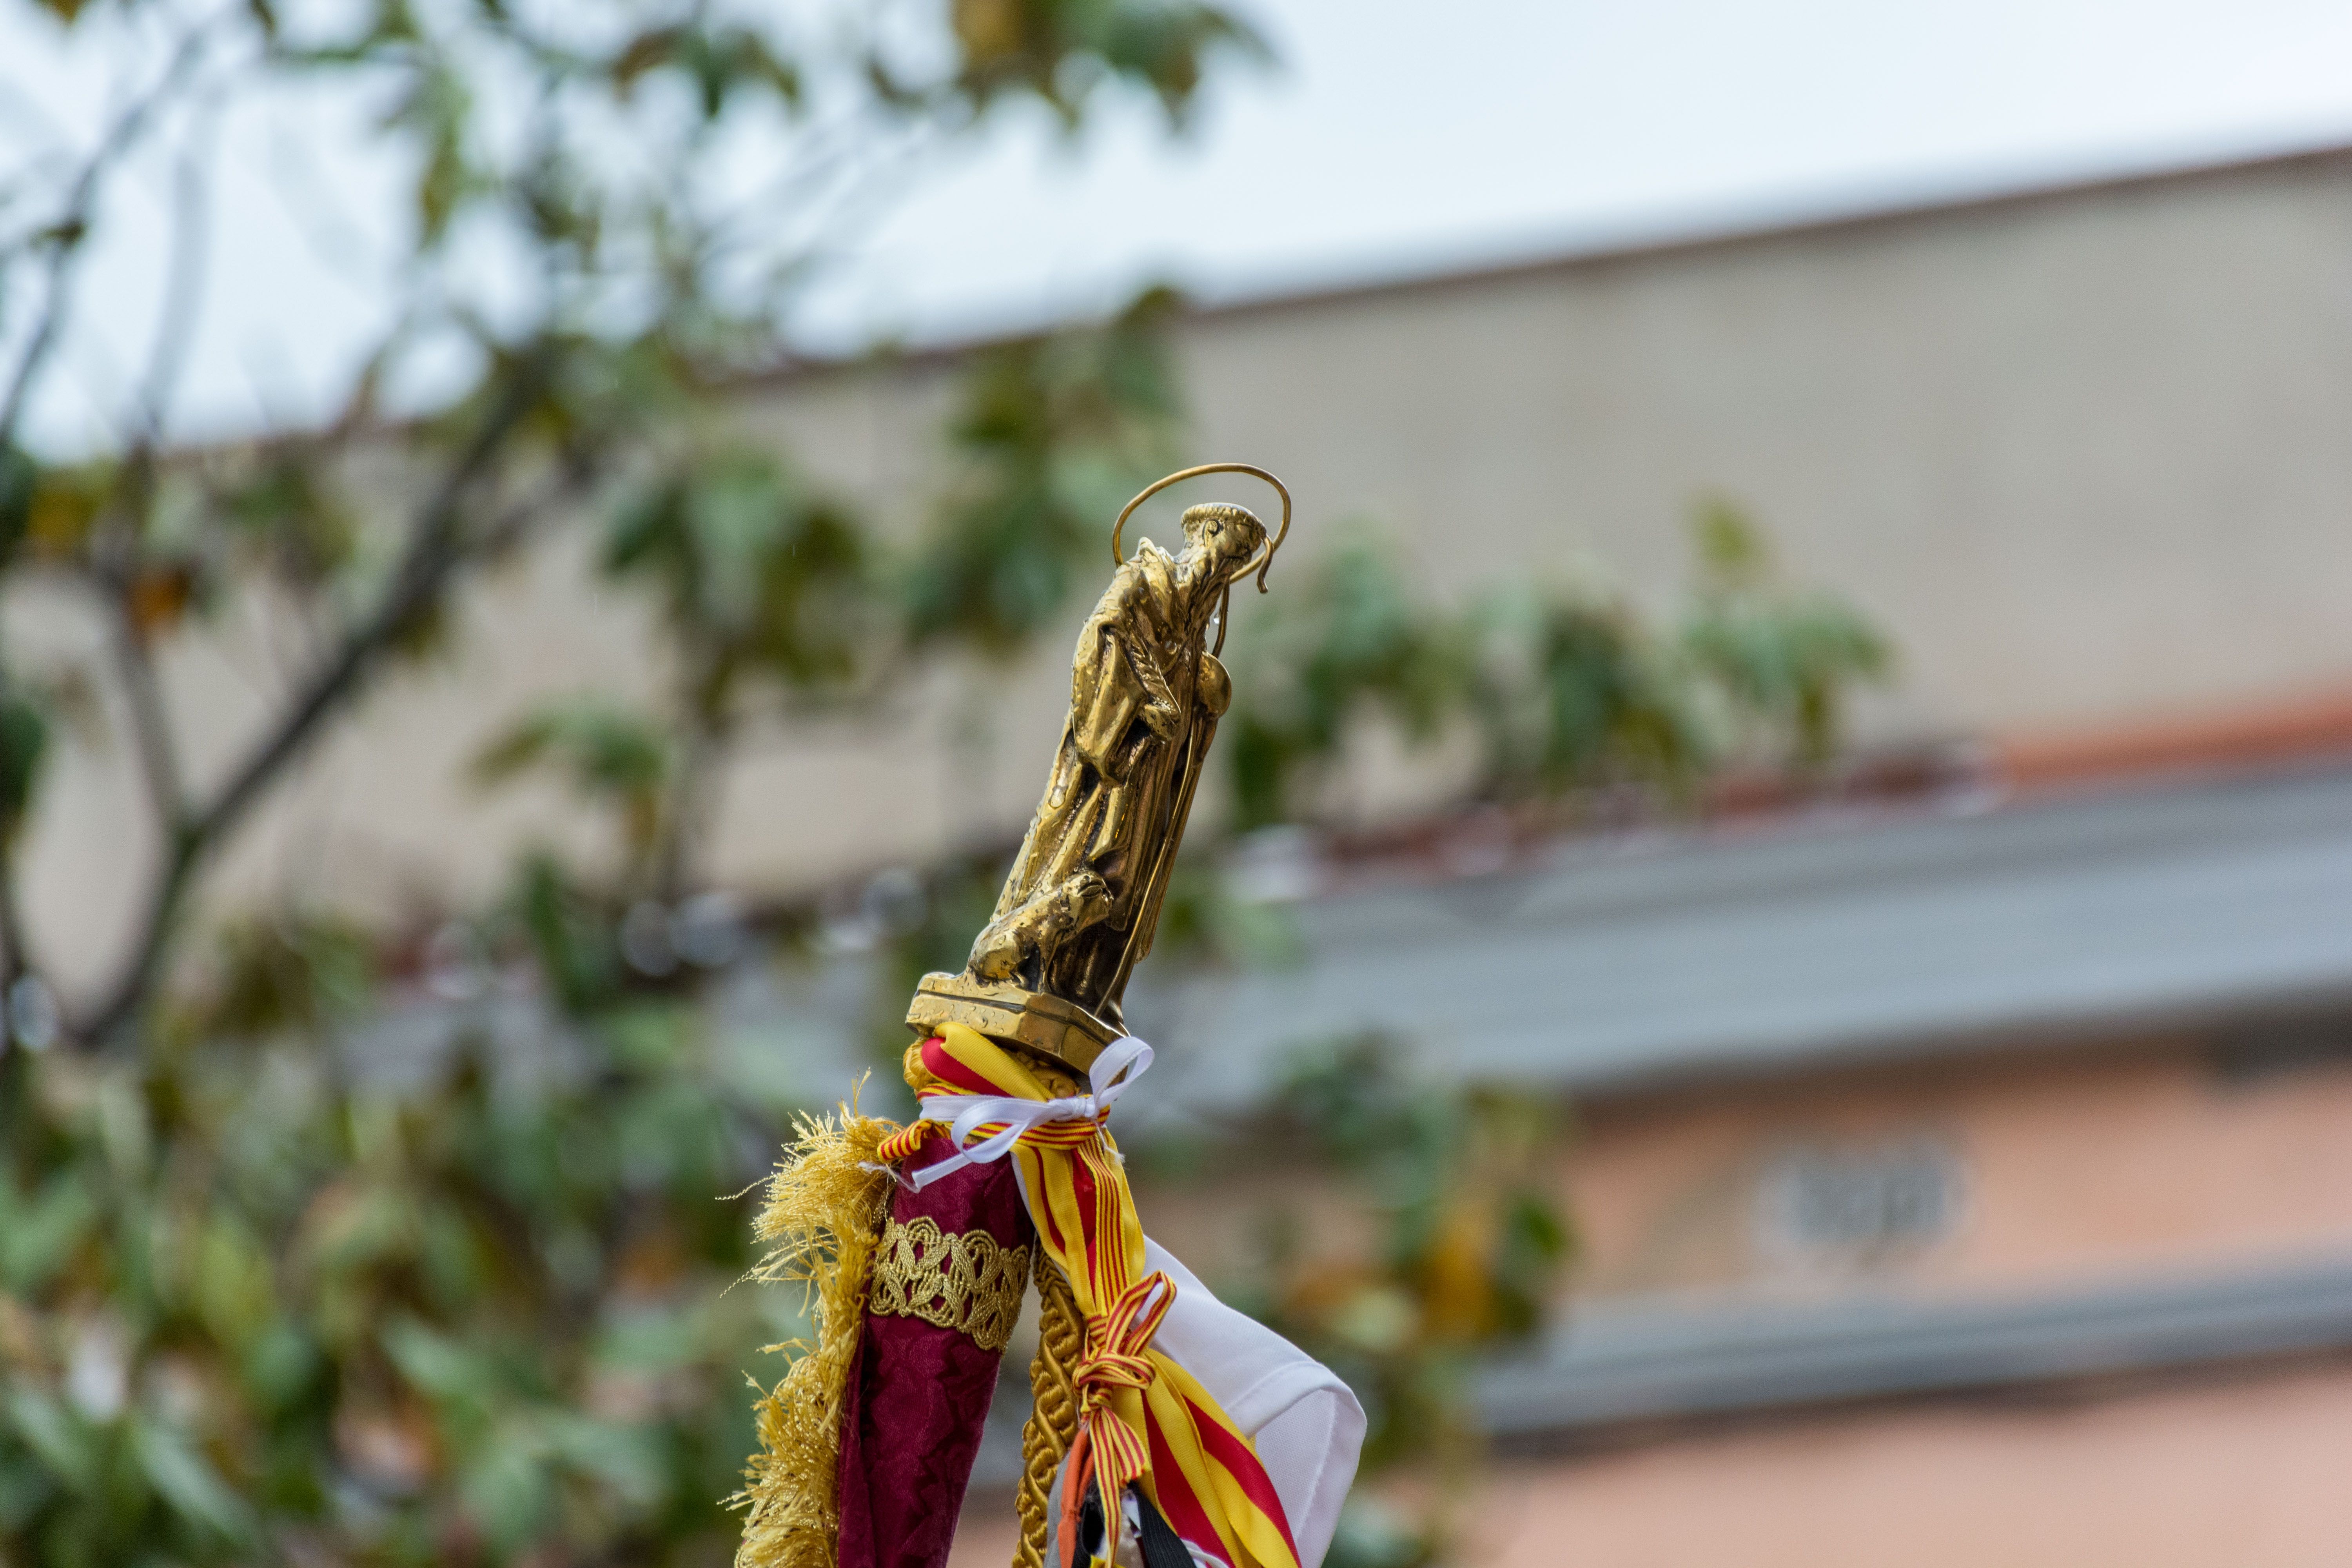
[38,1236]
[1782,663]
[234,1288]
[442,1368]
[628,1460]
[605,749]
[187,1481]
[281,1364]
[506,1486]
[1732,552]
[1056,432]
[65,1444]
[571,938]
[23,742]
[616,756]
[1353,638]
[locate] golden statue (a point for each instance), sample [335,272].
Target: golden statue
[1146,691]
[925,1221]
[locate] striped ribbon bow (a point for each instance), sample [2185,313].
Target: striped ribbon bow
[1003,1119]
[1106,1448]
[1144,1421]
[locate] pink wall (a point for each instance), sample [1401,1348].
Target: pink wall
[2245,1474]
[2070,1170]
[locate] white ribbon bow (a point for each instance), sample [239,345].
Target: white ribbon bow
[966,1113]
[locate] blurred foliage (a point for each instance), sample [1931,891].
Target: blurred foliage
[293,1285]
[1352,636]
[613,212]
[1053,433]
[756,575]
[24,739]
[1563,689]
[1059,49]
[1783,661]
[608,753]
[325,1246]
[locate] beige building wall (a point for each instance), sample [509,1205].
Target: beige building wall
[2084,453]
[2081,452]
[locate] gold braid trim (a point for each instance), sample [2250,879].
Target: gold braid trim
[959,1279]
[1054,1413]
[823,1217]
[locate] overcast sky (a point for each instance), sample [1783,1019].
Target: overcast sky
[1391,138]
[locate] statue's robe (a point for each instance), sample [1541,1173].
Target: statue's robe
[1132,684]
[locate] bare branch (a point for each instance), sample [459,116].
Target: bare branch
[16,961]
[150,725]
[435,549]
[439,548]
[72,226]
[183,287]
[113,576]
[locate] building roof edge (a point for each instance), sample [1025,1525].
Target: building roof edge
[1828,218]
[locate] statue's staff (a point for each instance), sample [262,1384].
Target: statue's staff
[1196,751]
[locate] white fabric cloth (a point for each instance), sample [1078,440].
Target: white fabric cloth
[1306,1423]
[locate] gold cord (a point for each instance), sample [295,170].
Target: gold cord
[1054,1417]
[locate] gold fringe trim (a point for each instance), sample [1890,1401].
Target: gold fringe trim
[823,1217]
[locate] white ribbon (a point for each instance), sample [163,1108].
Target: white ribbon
[1121,1063]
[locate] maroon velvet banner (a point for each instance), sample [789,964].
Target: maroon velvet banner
[918,1394]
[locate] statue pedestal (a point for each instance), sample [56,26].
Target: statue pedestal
[1011,1015]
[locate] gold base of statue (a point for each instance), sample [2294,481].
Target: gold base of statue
[1011,1015]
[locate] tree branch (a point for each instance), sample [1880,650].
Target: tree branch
[114,573]
[439,548]
[183,286]
[14,961]
[72,227]
[151,723]
[701,753]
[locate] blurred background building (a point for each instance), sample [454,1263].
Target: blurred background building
[1959,1141]
[1963,1164]
[1969,1144]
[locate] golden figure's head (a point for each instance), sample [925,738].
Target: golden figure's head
[1222,535]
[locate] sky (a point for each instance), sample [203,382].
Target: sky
[1388,138]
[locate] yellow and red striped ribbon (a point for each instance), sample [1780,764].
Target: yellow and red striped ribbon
[1143,1419]
[1115,1357]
